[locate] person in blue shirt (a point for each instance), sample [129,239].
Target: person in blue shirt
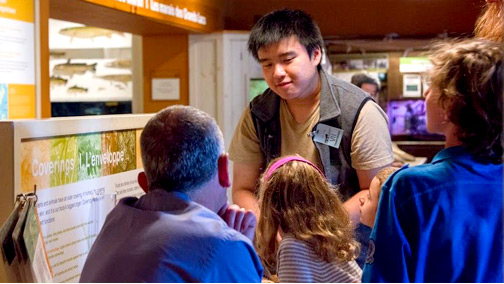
[182,229]
[443,221]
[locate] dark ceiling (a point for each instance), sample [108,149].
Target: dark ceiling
[367,18]
[338,19]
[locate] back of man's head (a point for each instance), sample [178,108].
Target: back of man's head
[180,149]
[282,24]
[361,78]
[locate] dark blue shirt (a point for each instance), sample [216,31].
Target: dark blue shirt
[439,222]
[165,237]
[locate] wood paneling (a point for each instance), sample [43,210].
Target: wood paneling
[165,56]
[104,17]
[394,77]
[44,60]
[211,10]
[368,18]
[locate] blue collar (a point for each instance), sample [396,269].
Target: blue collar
[451,153]
[161,200]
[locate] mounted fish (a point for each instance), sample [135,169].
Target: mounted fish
[77,90]
[56,54]
[70,69]
[121,78]
[87,32]
[57,81]
[120,63]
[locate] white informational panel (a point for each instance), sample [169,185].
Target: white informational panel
[80,166]
[165,89]
[412,86]
[414,64]
[17,59]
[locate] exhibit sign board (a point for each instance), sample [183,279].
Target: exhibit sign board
[197,16]
[80,167]
[17,59]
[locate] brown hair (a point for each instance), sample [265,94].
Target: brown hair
[297,199]
[490,24]
[469,75]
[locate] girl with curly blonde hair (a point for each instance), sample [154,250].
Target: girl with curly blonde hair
[317,237]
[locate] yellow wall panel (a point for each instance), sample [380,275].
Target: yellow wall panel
[21,101]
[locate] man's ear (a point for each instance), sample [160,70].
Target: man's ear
[142,181]
[317,55]
[223,171]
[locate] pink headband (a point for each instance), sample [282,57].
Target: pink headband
[284,161]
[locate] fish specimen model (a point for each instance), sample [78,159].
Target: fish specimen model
[57,81]
[77,90]
[121,78]
[56,54]
[120,63]
[86,32]
[70,69]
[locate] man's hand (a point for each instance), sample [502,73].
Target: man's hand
[244,221]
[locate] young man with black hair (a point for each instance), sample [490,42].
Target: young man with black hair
[307,112]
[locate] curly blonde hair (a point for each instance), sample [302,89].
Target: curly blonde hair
[469,75]
[383,174]
[297,199]
[490,24]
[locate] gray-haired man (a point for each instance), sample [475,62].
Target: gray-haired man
[182,229]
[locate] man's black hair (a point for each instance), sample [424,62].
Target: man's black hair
[282,24]
[361,78]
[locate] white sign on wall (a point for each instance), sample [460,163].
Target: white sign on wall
[165,89]
[412,86]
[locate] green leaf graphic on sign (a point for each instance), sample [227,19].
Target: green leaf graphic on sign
[63,160]
[126,142]
[89,156]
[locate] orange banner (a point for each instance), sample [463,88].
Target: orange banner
[21,101]
[21,10]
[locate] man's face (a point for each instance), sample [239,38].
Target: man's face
[288,68]
[371,89]
[369,204]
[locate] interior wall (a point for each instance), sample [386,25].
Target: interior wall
[394,77]
[165,56]
[137,72]
[367,18]
[45,100]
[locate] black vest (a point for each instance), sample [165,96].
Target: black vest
[340,105]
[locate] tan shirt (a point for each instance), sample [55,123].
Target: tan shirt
[371,145]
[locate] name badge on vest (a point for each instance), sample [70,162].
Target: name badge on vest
[328,135]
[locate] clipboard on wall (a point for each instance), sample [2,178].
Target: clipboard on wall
[24,257]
